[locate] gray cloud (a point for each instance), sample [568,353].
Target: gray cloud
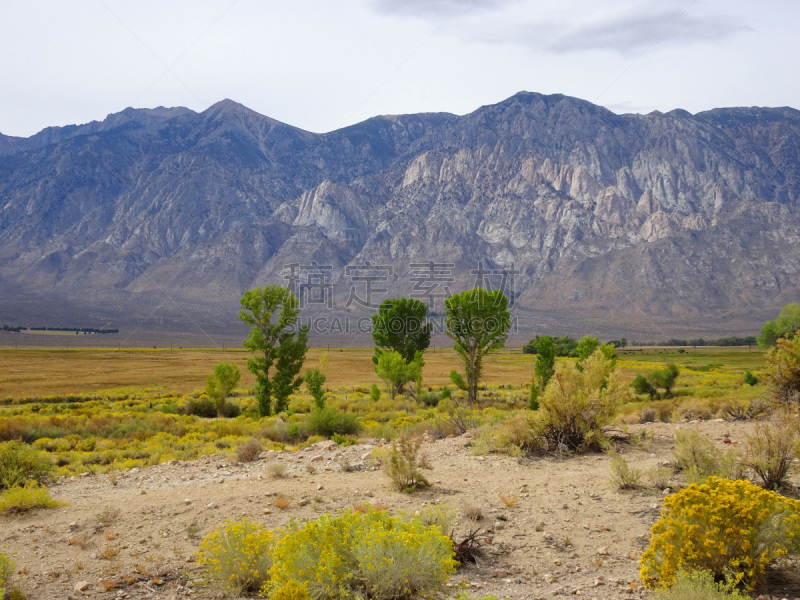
[631,31]
[426,8]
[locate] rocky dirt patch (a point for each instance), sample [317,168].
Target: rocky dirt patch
[550,527]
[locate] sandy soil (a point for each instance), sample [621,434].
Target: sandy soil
[570,532]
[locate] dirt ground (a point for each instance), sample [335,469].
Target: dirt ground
[569,532]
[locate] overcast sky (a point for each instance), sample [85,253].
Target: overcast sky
[322,64]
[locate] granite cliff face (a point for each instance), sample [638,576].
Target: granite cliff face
[643,225]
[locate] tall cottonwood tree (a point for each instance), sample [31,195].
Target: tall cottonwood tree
[478,322]
[399,325]
[277,341]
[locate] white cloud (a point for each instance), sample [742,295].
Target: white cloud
[626,29]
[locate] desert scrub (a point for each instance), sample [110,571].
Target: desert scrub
[23,498]
[769,451]
[624,476]
[698,458]
[6,571]
[578,403]
[733,529]
[699,585]
[327,422]
[19,463]
[370,554]
[403,464]
[249,451]
[236,556]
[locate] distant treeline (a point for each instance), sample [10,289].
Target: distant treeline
[723,341]
[567,346]
[77,330]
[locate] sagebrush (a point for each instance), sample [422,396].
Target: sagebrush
[733,529]
[368,554]
[236,556]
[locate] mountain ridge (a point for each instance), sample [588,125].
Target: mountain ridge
[642,223]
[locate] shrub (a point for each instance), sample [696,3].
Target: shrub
[6,571]
[220,385]
[236,556]
[344,440]
[19,463]
[201,407]
[403,464]
[749,378]
[430,399]
[249,451]
[315,379]
[21,499]
[699,585]
[783,371]
[623,475]
[769,451]
[577,404]
[375,393]
[699,458]
[517,433]
[733,529]
[326,422]
[231,410]
[442,515]
[370,554]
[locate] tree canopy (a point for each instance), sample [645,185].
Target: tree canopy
[478,322]
[785,326]
[399,325]
[277,341]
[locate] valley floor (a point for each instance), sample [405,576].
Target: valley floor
[569,532]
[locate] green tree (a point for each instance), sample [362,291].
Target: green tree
[663,378]
[586,347]
[478,322]
[277,342]
[315,379]
[784,326]
[220,385]
[641,385]
[400,325]
[396,372]
[543,370]
[782,374]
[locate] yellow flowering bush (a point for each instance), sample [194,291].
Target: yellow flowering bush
[733,529]
[359,555]
[236,556]
[6,571]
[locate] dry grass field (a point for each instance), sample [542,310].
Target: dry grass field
[43,371]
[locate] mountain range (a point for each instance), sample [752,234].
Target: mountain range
[592,222]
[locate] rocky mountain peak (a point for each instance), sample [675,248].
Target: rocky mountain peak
[625,224]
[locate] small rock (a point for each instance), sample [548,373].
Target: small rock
[499,525]
[211,505]
[302,502]
[73,526]
[187,501]
[603,551]
[81,586]
[317,458]
[143,493]
[319,487]
[549,577]
[500,573]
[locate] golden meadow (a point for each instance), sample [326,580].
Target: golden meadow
[100,410]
